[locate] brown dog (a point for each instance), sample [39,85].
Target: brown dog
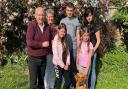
[80,81]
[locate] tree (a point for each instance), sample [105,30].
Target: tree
[15,15]
[120,18]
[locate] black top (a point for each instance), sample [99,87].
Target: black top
[92,29]
[64,56]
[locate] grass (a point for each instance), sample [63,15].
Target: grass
[113,73]
[112,68]
[13,77]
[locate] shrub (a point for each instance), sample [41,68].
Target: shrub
[15,15]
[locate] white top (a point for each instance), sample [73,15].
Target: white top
[41,27]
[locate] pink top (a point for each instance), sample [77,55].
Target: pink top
[83,54]
[57,52]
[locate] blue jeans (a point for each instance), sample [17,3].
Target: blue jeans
[92,73]
[72,65]
[49,78]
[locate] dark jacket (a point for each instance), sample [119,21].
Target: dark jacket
[34,39]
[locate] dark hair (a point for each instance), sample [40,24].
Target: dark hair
[64,39]
[69,4]
[62,25]
[88,10]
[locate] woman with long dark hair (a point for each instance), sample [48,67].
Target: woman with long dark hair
[94,29]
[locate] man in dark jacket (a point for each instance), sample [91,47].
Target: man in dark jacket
[37,38]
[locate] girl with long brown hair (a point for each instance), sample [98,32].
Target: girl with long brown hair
[61,57]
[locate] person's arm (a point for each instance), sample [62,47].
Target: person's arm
[68,58]
[67,62]
[77,56]
[77,44]
[90,53]
[89,58]
[97,40]
[77,36]
[30,37]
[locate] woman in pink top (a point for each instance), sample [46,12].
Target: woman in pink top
[84,53]
[61,57]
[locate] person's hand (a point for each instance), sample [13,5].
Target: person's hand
[77,67]
[76,62]
[45,44]
[66,67]
[86,73]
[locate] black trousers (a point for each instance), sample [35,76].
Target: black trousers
[59,73]
[36,72]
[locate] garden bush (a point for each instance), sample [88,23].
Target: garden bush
[16,14]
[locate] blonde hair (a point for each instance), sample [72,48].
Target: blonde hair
[84,32]
[39,9]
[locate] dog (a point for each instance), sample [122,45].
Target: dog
[80,81]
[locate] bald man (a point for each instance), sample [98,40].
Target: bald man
[37,39]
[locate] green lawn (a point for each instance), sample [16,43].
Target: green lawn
[13,77]
[113,73]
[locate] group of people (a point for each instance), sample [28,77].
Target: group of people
[54,51]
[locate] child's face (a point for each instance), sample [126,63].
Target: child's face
[85,37]
[61,32]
